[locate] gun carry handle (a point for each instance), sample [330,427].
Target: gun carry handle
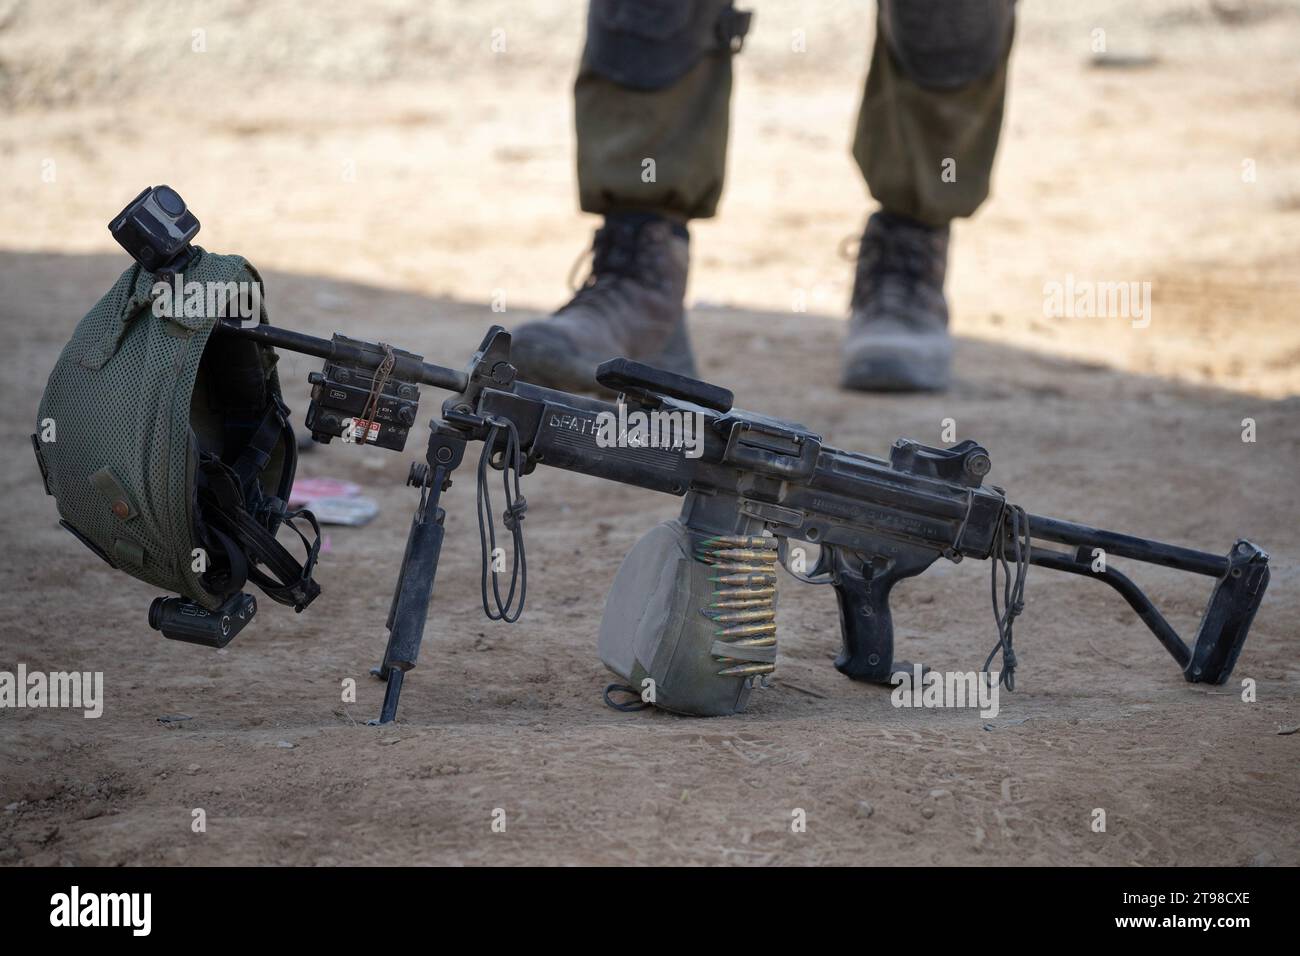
[862,585]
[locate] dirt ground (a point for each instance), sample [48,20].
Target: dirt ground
[390,174]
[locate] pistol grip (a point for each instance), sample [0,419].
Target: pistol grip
[862,586]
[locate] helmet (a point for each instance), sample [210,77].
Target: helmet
[167,445]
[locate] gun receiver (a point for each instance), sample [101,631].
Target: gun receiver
[876,521]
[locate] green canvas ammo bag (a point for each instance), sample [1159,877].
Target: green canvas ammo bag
[168,449]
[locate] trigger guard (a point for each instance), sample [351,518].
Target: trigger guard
[821,572]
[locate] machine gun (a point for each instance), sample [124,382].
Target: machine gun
[693,606]
[749,480]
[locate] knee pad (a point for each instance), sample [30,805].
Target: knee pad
[945,44]
[646,45]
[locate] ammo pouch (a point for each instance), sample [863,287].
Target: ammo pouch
[653,627]
[168,450]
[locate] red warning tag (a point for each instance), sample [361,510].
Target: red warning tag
[364,431]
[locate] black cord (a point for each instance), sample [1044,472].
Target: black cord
[1013,588]
[629,706]
[513,518]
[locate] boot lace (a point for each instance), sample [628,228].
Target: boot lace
[613,252]
[897,259]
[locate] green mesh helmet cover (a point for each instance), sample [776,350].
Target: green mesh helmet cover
[122,462]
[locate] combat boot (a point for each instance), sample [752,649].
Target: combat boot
[898,331]
[630,306]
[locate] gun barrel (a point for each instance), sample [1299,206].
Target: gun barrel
[425,372]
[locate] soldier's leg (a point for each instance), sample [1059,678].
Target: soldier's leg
[652,101]
[926,138]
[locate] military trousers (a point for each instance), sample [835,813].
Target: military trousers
[653,99]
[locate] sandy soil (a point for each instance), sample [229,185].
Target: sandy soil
[389,174]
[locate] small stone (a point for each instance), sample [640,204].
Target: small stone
[865,809]
[927,812]
[11,807]
[284,744]
[940,793]
[389,741]
[193,768]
